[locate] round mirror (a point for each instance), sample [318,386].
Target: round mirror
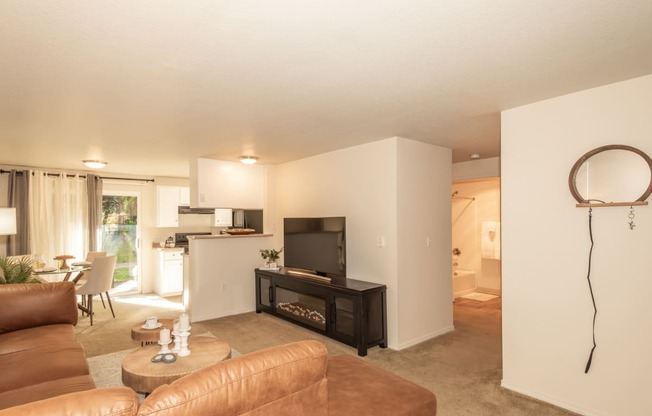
[611,174]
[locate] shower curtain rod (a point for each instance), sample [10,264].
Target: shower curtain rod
[83,176]
[454,196]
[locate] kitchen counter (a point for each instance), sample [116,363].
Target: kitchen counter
[168,248]
[208,237]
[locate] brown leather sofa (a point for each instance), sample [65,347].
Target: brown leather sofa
[292,379]
[39,357]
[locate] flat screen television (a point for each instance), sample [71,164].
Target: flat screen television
[316,245]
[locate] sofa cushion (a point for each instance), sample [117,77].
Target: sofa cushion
[45,390]
[357,388]
[39,336]
[41,364]
[284,380]
[116,401]
[30,305]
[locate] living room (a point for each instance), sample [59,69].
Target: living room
[395,185]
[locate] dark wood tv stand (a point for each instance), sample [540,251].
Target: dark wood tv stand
[350,311]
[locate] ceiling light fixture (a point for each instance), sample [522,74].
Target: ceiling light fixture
[248,160]
[95,164]
[474,156]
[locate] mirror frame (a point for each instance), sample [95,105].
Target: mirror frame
[576,167]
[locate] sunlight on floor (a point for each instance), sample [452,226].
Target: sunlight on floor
[149,300]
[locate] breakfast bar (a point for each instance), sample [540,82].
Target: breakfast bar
[217,274]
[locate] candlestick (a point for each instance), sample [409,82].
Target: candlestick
[175,334]
[165,336]
[183,350]
[184,322]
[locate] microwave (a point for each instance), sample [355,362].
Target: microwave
[223,217]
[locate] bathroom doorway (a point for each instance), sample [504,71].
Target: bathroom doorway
[476,247]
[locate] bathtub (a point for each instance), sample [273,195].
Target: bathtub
[463,282]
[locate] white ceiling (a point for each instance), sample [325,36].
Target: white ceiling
[149,85]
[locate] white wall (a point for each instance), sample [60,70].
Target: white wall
[476,169]
[468,216]
[222,275]
[362,184]
[547,309]
[424,242]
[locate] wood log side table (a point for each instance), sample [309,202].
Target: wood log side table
[149,336]
[143,376]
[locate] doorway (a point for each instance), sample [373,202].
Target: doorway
[121,236]
[476,239]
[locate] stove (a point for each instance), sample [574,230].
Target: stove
[181,239]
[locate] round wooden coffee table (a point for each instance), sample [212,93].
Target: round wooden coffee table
[143,376]
[148,336]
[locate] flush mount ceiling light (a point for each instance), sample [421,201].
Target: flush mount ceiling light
[474,156]
[95,164]
[248,160]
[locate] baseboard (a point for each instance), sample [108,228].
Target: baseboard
[422,339]
[199,318]
[552,400]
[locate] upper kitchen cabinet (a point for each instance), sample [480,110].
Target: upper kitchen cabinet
[221,184]
[167,204]
[184,196]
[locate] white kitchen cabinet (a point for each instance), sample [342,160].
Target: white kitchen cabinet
[221,184]
[167,206]
[168,200]
[184,196]
[169,274]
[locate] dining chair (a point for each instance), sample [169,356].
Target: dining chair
[83,277]
[100,281]
[92,255]
[90,258]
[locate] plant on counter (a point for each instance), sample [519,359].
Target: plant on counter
[14,270]
[270,255]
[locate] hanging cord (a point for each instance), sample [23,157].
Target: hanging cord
[595,309]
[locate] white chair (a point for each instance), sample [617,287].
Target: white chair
[90,257]
[100,281]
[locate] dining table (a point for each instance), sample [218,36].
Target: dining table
[74,273]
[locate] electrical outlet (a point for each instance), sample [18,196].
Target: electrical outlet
[380,241]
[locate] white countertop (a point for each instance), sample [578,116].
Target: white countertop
[209,237]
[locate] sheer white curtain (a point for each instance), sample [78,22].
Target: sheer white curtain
[59,215]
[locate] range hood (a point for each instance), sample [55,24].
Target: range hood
[184,209]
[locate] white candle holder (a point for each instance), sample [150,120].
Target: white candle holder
[164,347]
[183,349]
[177,341]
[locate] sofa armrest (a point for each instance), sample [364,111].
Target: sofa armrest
[284,380]
[28,305]
[115,401]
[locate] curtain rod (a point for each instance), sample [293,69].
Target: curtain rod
[83,176]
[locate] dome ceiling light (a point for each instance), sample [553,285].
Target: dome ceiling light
[95,164]
[248,160]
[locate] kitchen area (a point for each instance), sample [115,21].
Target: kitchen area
[219,228]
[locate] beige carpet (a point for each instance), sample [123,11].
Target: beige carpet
[106,369]
[463,368]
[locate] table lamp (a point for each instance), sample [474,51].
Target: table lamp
[7,221]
